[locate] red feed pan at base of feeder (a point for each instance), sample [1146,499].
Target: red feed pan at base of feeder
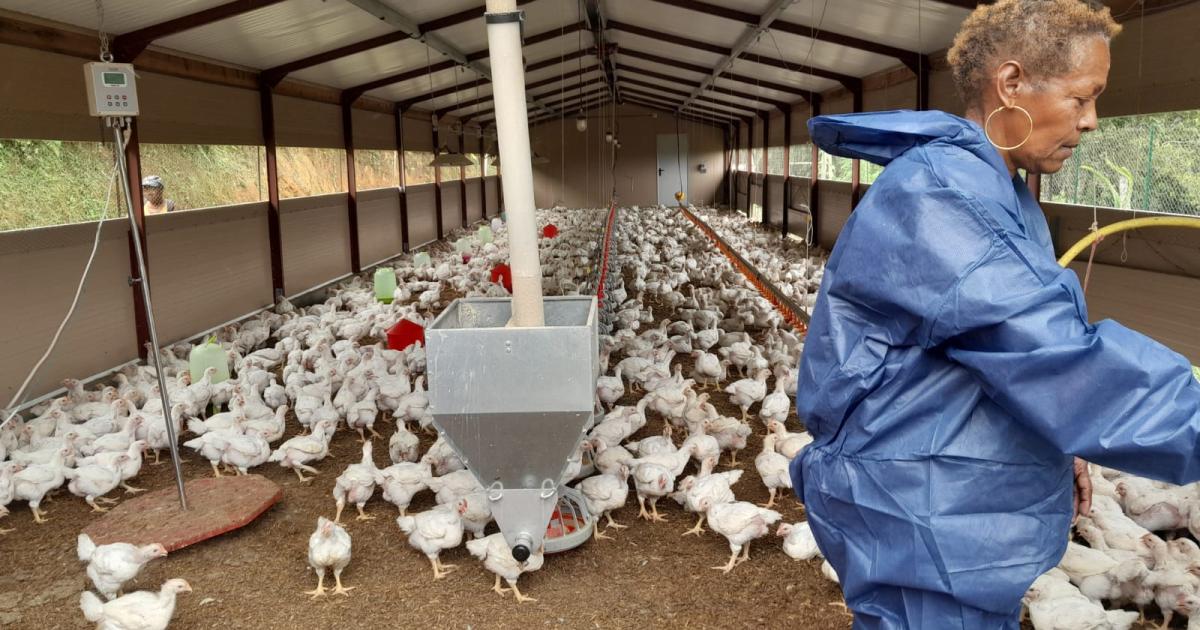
[404,334]
[550,231]
[502,275]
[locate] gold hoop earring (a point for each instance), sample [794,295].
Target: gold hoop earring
[988,122]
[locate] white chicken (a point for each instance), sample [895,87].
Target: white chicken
[356,485]
[498,559]
[109,567]
[329,548]
[745,392]
[434,531]
[776,406]
[35,481]
[404,445]
[143,610]
[653,481]
[798,540]
[400,482]
[610,389]
[297,452]
[92,482]
[740,523]
[605,493]
[773,468]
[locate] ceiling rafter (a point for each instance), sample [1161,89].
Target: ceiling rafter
[740,78]
[717,49]
[127,46]
[680,102]
[547,81]
[627,70]
[638,99]
[597,24]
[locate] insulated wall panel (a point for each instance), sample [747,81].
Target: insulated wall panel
[451,207]
[374,130]
[316,240]
[492,189]
[208,267]
[301,123]
[474,200]
[422,226]
[39,270]
[833,212]
[774,213]
[378,224]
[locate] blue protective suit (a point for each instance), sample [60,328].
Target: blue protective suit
[949,375]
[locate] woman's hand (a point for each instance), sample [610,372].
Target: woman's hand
[1083,490]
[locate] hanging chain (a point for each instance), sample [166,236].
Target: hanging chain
[105,54]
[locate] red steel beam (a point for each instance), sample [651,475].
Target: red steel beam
[274,230]
[351,185]
[127,46]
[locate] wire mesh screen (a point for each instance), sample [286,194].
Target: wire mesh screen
[834,168]
[1148,162]
[801,160]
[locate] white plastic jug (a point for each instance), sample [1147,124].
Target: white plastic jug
[205,355]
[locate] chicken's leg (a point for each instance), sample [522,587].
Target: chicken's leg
[107,501]
[363,516]
[7,531]
[303,479]
[698,529]
[745,554]
[1167,614]
[770,502]
[729,565]
[496,588]
[517,592]
[339,589]
[308,469]
[642,513]
[337,517]
[130,489]
[597,535]
[95,508]
[374,433]
[362,438]
[654,515]
[39,516]
[612,523]
[320,590]
[733,457]
[216,469]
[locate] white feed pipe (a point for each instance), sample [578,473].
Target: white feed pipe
[512,134]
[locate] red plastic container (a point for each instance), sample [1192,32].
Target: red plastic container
[502,275]
[404,334]
[550,231]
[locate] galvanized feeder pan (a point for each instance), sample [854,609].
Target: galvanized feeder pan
[513,402]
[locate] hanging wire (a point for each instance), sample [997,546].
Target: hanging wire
[562,132]
[105,54]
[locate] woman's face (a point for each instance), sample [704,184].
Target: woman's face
[1063,109]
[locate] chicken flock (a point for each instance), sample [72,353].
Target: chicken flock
[673,304]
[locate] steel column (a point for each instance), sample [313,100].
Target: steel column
[437,185]
[766,187]
[814,193]
[462,175]
[401,179]
[351,185]
[787,170]
[274,225]
[134,164]
[856,164]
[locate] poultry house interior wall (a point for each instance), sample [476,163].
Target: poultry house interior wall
[38,273]
[316,240]
[379,234]
[492,189]
[422,225]
[207,267]
[574,181]
[451,206]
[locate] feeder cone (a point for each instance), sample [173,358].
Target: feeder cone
[550,231]
[404,334]
[502,275]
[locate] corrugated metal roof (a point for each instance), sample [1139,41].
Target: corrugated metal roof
[295,29]
[279,33]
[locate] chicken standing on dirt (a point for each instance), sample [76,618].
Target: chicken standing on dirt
[143,610]
[433,531]
[498,559]
[773,468]
[298,451]
[356,485]
[739,522]
[605,493]
[329,548]
[111,566]
[652,482]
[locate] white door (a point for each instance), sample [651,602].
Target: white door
[672,167]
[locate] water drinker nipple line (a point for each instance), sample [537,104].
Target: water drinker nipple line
[512,381]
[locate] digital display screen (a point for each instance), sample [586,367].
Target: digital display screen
[113,79]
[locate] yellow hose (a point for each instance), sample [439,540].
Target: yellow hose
[1121,226]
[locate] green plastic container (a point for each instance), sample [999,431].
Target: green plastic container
[1196,372]
[484,235]
[422,259]
[462,245]
[385,284]
[206,355]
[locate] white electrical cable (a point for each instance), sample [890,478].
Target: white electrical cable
[13,404]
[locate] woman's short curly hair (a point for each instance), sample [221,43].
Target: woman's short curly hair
[1041,34]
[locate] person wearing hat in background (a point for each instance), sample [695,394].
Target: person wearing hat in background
[154,200]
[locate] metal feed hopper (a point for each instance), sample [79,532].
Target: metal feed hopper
[514,402]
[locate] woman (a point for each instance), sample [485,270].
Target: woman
[950,372]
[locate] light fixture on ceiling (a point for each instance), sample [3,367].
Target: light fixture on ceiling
[581,122]
[608,137]
[446,157]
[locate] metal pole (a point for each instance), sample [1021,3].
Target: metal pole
[144,282]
